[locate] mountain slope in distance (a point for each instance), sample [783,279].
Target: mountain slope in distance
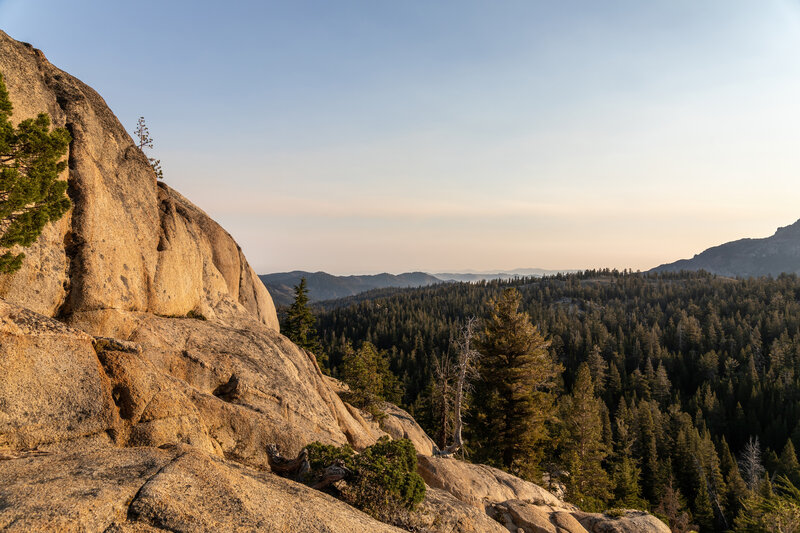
[770,256]
[324,286]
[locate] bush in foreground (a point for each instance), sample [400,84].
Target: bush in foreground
[383,479]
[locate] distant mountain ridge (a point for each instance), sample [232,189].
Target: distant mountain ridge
[323,286]
[770,256]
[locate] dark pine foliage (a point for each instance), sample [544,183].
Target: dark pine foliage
[31,195]
[298,324]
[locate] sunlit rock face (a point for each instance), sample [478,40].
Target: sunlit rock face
[129,243]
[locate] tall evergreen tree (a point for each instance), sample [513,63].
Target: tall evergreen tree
[583,448]
[514,397]
[625,470]
[298,324]
[788,465]
[703,510]
[736,489]
[673,507]
[648,451]
[31,195]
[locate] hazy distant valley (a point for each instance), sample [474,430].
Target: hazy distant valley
[323,286]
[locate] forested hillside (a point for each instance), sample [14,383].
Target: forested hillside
[697,379]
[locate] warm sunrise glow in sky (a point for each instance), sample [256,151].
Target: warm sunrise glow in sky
[378,135]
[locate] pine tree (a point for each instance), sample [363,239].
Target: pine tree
[788,465]
[366,373]
[711,470]
[673,507]
[703,512]
[661,384]
[736,489]
[31,195]
[599,369]
[583,448]
[513,398]
[143,140]
[298,324]
[625,471]
[648,451]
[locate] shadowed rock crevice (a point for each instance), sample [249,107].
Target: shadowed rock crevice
[227,391]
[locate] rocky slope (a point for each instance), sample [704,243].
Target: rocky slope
[119,413]
[746,258]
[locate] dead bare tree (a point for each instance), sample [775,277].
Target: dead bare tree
[750,464]
[466,368]
[286,467]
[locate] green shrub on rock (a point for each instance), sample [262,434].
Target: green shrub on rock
[384,481]
[324,455]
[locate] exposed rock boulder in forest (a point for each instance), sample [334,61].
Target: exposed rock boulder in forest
[143,373]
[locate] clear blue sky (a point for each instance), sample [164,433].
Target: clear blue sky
[401,135]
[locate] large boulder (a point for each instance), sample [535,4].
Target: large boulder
[173,489]
[52,387]
[131,261]
[441,511]
[161,381]
[523,506]
[624,521]
[401,425]
[243,388]
[480,485]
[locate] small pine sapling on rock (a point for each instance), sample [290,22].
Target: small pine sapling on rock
[143,140]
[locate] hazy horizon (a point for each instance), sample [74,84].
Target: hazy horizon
[431,272]
[356,137]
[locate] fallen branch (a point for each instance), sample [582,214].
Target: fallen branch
[293,468]
[299,467]
[336,472]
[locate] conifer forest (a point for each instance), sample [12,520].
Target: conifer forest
[678,393]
